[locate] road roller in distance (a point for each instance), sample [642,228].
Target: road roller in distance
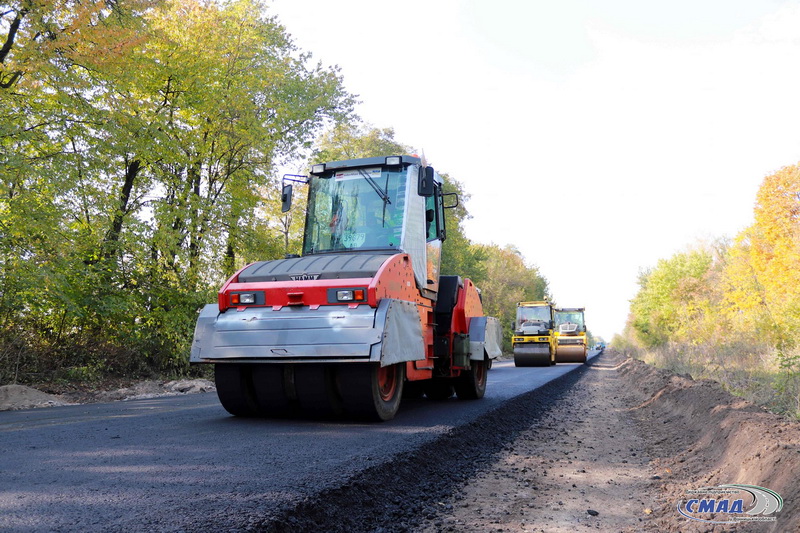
[570,332]
[533,340]
[362,315]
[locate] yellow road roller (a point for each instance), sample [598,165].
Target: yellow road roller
[570,335]
[533,339]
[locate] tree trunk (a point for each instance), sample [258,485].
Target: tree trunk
[112,236]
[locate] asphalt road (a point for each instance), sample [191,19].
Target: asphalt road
[184,464]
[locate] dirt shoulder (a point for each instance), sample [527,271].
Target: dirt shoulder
[580,466]
[13,397]
[620,452]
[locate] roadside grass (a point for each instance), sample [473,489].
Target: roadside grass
[752,371]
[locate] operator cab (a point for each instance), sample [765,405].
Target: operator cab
[533,320]
[570,320]
[377,205]
[355,209]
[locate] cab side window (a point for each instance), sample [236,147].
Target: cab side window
[431,225]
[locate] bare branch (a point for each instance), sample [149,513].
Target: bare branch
[12,33]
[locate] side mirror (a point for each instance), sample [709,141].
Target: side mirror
[425,182]
[286,198]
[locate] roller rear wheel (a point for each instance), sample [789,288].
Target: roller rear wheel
[371,391]
[471,384]
[235,389]
[270,385]
[316,390]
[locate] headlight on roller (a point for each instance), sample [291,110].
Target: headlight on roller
[243,298]
[247,298]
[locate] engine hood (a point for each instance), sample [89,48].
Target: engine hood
[329,266]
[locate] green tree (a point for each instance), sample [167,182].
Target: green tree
[356,140]
[509,281]
[460,256]
[136,169]
[669,299]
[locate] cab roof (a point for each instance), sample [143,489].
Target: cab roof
[540,303]
[371,162]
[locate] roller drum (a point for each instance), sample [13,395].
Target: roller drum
[575,353]
[532,355]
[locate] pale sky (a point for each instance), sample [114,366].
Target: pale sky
[596,136]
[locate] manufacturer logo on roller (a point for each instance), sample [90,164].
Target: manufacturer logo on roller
[305,277]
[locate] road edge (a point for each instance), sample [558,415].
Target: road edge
[400,494]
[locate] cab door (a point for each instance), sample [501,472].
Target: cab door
[435,233]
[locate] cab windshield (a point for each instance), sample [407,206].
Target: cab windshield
[572,318]
[355,209]
[532,314]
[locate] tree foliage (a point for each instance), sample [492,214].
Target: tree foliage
[509,281]
[750,285]
[774,251]
[139,141]
[355,140]
[735,306]
[669,300]
[136,173]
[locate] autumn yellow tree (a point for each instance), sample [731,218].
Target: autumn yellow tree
[743,300]
[39,36]
[732,311]
[774,246]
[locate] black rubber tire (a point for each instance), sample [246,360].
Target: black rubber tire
[471,384]
[269,384]
[235,389]
[316,391]
[439,389]
[369,392]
